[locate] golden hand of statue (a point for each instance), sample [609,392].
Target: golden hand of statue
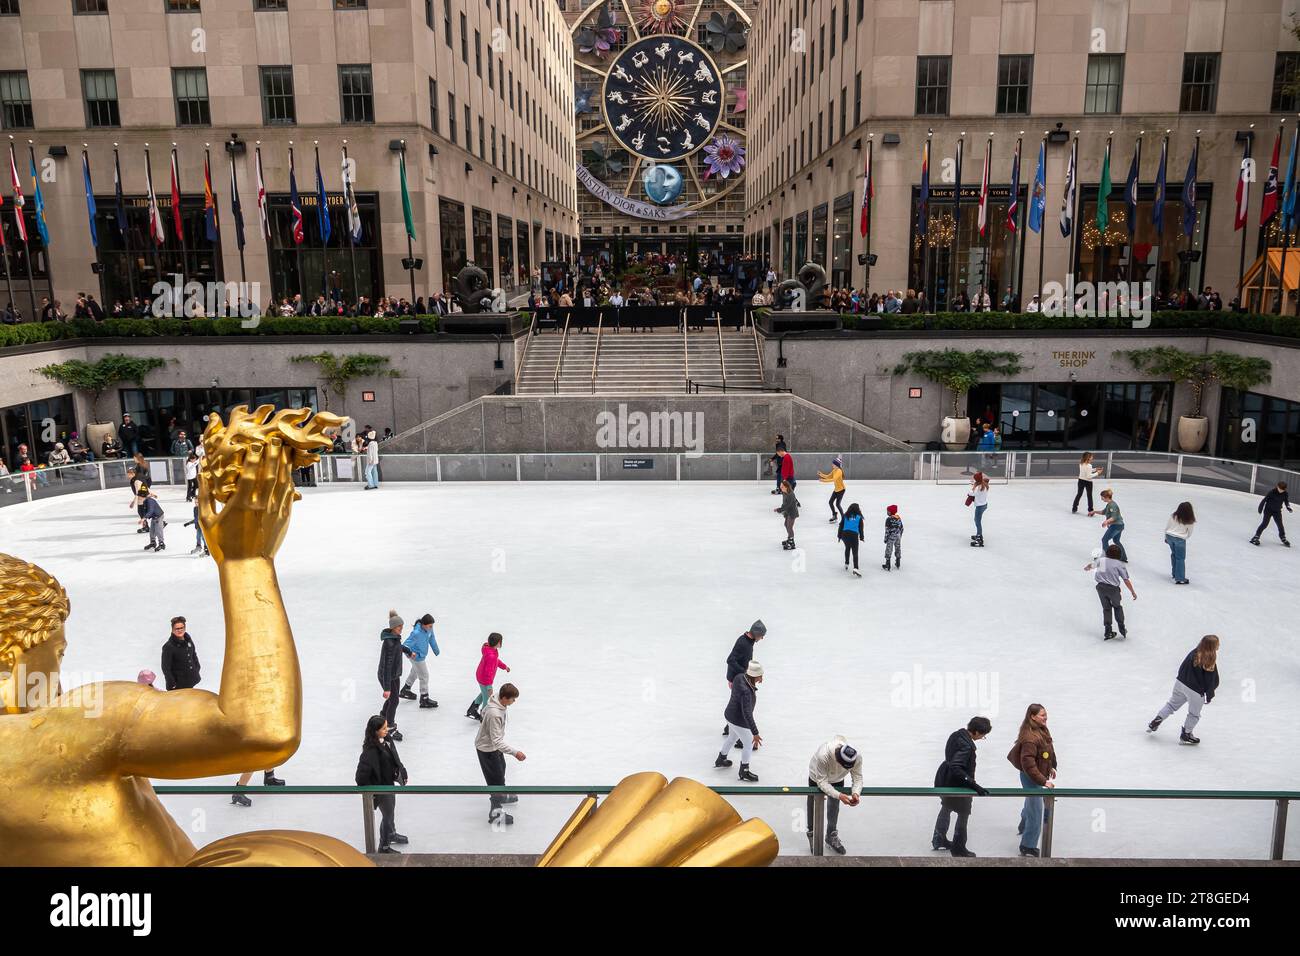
[248,471]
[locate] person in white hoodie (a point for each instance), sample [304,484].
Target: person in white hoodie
[372,462]
[1177,531]
[832,764]
[491,747]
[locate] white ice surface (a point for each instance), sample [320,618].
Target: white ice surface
[619,603]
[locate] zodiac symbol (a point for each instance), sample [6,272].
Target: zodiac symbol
[702,122]
[624,122]
[661,50]
[638,141]
[663,145]
[685,56]
[617,97]
[639,59]
[622,74]
[686,141]
[710,97]
[704,74]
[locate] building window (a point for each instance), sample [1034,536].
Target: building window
[506,251]
[90,6]
[842,241]
[99,87]
[153,408]
[464,41]
[819,235]
[277,96]
[800,240]
[305,268]
[932,79]
[446,24]
[478,54]
[481,137]
[859,11]
[9,8]
[270,5]
[350,4]
[1015,77]
[356,93]
[1286,83]
[451,237]
[451,116]
[844,109]
[483,256]
[433,105]
[857,99]
[1105,83]
[1200,82]
[133,262]
[15,100]
[182,6]
[469,130]
[428,13]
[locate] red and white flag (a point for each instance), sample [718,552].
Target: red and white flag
[1268,205]
[984,188]
[156,229]
[1243,190]
[868,193]
[176,198]
[261,198]
[18,195]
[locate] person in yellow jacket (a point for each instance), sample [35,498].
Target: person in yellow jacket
[837,496]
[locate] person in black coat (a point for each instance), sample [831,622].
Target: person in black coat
[390,670]
[741,726]
[130,435]
[180,660]
[1270,506]
[958,770]
[380,766]
[742,652]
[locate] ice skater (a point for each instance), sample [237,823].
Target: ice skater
[893,537]
[191,476]
[491,747]
[1034,756]
[834,762]
[390,670]
[852,532]
[1108,572]
[979,497]
[1198,678]
[1270,506]
[776,462]
[1112,521]
[489,663]
[1086,474]
[958,770]
[784,468]
[420,642]
[789,510]
[152,513]
[200,546]
[380,766]
[742,652]
[837,492]
[740,720]
[269,779]
[1177,530]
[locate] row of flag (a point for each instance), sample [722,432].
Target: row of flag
[156,223]
[1274,199]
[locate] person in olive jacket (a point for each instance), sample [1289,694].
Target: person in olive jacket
[1035,757]
[180,661]
[958,770]
[390,670]
[380,766]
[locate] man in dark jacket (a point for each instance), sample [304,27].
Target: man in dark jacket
[130,435]
[390,670]
[180,661]
[776,462]
[742,652]
[1270,506]
[958,770]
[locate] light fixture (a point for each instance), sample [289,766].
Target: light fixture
[433,151]
[397,145]
[891,139]
[59,151]
[494,180]
[830,163]
[858,144]
[468,169]
[1058,135]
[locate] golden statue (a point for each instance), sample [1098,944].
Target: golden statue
[75,766]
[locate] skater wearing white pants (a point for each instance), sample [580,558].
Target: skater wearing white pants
[1198,678]
[740,720]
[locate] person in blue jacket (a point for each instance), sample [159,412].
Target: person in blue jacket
[851,534]
[988,444]
[420,642]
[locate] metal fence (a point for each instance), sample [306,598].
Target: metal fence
[650,465]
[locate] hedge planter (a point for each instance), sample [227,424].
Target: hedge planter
[1192,433]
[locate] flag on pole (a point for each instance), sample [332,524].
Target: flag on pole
[1013,207]
[261,197]
[2,232]
[868,193]
[1243,190]
[1103,193]
[211,229]
[1268,204]
[155,218]
[1189,192]
[1038,202]
[406,198]
[1131,193]
[19,202]
[295,205]
[39,201]
[1290,189]
[322,208]
[177,222]
[350,200]
[923,208]
[984,188]
[1067,197]
[117,193]
[90,198]
[235,208]
[1158,207]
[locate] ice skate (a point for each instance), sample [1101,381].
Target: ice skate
[956,852]
[1108,636]
[269,779]
[1187,738]
[150,547]
[746,775]
[427,703]
[1286,543]
[396,737]
[472,713]
[977,541]
[398,838]
[195,550]
[857,573]
[388,849]
[406,694]
[898,563]
[500,816]
[239,800]
[940,844]
[885,566]
[833,519]
[161,547]
[833,841]
[1255,542]
[1028,851]
[722,761]
[1155,724]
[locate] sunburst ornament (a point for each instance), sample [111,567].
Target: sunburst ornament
[724,156]
[660,16]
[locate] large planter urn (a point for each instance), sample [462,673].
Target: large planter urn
[955,433]
[1192,433]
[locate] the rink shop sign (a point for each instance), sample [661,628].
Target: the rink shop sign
[1074,359]
[670,431]
[626,204]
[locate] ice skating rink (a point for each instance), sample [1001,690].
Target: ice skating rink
[619,603]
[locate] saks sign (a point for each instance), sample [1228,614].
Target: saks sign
[628,205]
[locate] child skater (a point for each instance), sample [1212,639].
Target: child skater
[789,510]
[489,663]
[851,533]
[1270,506]
[837,495]
[893,536]
[1197,680]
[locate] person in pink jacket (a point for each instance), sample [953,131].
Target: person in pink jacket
[486,674]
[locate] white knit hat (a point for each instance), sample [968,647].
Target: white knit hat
[755,669]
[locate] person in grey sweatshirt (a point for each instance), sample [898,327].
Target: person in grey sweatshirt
[789,510]
[491,747]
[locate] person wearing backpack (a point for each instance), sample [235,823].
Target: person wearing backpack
[851,533]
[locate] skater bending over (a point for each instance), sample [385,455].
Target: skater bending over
[832,764]
[1270,506]
[1197,680]
[958,770]
[740,720]
[851,533]
[837,494]
[790,511]
[893,537]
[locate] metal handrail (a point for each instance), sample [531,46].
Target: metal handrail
[758,345]
[600,319]
[722,355]
[686,350]
[693,387]
[523,353]
[559,360]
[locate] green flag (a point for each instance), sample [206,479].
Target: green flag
[406,200]
[1103,193]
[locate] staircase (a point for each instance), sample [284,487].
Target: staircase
[630,363]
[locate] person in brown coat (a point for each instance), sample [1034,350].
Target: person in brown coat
[1035,757]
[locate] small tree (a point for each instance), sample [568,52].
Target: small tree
[1200,369]
[94,378]
[957,370]
[336,371]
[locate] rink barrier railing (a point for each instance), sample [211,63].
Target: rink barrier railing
[1281,800]
[943,467]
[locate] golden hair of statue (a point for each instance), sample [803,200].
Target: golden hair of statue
[75,766]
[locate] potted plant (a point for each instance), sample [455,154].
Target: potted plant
[1199,369]
[959,372]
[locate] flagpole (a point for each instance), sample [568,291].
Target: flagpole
[871,175]
[410,249]
[1285,221]
[122,227]
[1042,220]
[1015,199]
[352,241]
[27,253]
[234,199]
[955,279]
[320,214]
[49,271]
[1076,236]
[264,228]
[988,226]
[1241,257]
[1132,226]
[4,252]
[153,239]
[177,218]
[1187,265]
[924,227]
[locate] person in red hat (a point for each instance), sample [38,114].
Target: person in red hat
[893,537]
